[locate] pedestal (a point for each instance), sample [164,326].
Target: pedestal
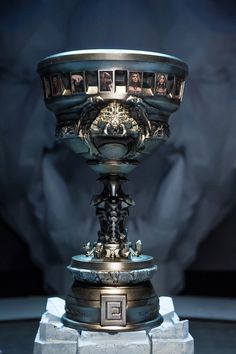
[112,295]
[171,337]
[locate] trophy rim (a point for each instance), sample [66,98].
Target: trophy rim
[114,55]
[109,264]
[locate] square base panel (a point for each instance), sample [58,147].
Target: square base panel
[172,336]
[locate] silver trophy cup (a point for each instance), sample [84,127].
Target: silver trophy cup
[112,106]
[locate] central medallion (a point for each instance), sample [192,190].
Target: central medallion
[115,120]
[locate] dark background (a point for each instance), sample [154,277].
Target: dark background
[187,188]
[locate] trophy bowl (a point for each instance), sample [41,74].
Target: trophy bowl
[112,107]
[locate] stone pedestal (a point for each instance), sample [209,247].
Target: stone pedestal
[171,337]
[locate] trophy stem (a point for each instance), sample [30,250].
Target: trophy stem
[112,290]
[112,208]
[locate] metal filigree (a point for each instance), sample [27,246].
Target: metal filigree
[115,120]
[112,209]
[67,129]
[159,130]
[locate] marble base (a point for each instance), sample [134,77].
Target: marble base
[171,337]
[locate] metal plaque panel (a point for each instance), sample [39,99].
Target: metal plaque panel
[113,310]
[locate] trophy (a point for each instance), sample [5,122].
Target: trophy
[112,107]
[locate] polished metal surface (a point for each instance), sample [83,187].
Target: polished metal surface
[112,328]
[119,264]
[112,107]
[113,310]
[90,306]
[111,54]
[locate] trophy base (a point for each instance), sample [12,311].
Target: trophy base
[112,295]
[171,337]
[111,329]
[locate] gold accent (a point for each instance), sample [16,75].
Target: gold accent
[114,119]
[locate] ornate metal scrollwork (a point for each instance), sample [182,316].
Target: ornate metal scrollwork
[114,120]
[112,208]
[123,122]
[105,127]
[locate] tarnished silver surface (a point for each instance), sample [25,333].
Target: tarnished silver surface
[113,277]
[112,107]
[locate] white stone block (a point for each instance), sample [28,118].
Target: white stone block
[119,343]
[175,318]
[181,329]
[55,307]
[172,337]
[164,331]
[54,330]
[173,346]
[54,347]
[170,330]
[166,307]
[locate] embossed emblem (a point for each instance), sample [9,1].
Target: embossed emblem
[113,310]
[114,120]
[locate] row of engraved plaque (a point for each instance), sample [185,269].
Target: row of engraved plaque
[118,81]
